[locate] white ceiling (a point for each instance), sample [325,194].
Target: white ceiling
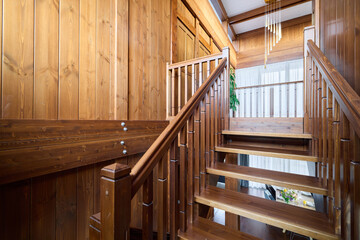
[235,7]
[287,14]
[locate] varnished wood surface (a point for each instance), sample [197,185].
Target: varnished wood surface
[267,152]
[268,125]
[30,148]
[203,229]
[282,179]
[268,134]
[285,216]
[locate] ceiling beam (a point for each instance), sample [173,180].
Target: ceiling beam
[285,24]
[261,11]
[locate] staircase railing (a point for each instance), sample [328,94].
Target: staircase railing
[333,108]
[184,78]
[187,145]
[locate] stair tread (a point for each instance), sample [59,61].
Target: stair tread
[267,151]
[282,179]
[202,229]
[268,134]
[292,218]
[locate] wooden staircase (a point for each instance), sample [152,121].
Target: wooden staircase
[194,149]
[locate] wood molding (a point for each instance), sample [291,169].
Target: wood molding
[31,148]
[261,11]
[289,23]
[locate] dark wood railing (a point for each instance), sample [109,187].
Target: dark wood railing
[187,145]
[333,108]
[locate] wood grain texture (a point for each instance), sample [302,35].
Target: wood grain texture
[18,59]
[69,60]
[87,64]
[340,43]
[46,59]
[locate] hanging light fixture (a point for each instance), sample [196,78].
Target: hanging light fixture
[273,32]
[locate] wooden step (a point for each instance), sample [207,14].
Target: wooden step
[281,179]
[268,134]
[267,151]
[203,229]
[303,221]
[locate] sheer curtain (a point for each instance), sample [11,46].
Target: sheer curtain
[286,101]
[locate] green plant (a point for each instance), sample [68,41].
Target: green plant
[234,101]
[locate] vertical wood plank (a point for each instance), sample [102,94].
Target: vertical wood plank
[103,80]
[122,60]
[15,215]
[43,205]
[203,144]
[147,208]
[87,64]
[46,59]
[190,173]
[66,204]
[85,200]
[337,153]
[18,59]
[330,153]
[69,60]
[197,129]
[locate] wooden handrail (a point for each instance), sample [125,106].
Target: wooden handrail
[196,60]
[346,96]
[269,85]
[146,164]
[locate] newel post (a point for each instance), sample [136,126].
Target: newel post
[115,201]
[226,53]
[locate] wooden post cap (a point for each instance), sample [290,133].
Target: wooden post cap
[115,171]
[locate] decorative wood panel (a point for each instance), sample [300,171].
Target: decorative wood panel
[251,46]
[340,37]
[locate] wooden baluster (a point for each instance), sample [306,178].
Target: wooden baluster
[174,190]
[162,198]
[355,187]
[226,53]
[190,173]
[330,153]
[179,89]
[345,175]
[192,79]
[147,208]
[208,69]
[207,129]
[168,89]
[200,74]
[115,201]
[337,187]
[319,128]
[324,131]
[173,95]
[197,136]
[186,85]
[203,145]
[182,183]
[218,115]
[212,124]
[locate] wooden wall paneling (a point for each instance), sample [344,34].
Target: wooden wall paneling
[340,38]
[122,64]
[173,36]
[18,59]
[46,77]
[153,52]
[85,200]
[349,36]
[103,93]
[43,204]
[66,205]
[357,47]
[15,210]
[184,12]
[87,64]
[69,60]
[1,58]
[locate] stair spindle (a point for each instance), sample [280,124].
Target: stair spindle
[147,209]
[162,188]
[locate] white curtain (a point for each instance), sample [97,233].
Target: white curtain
[285,100]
